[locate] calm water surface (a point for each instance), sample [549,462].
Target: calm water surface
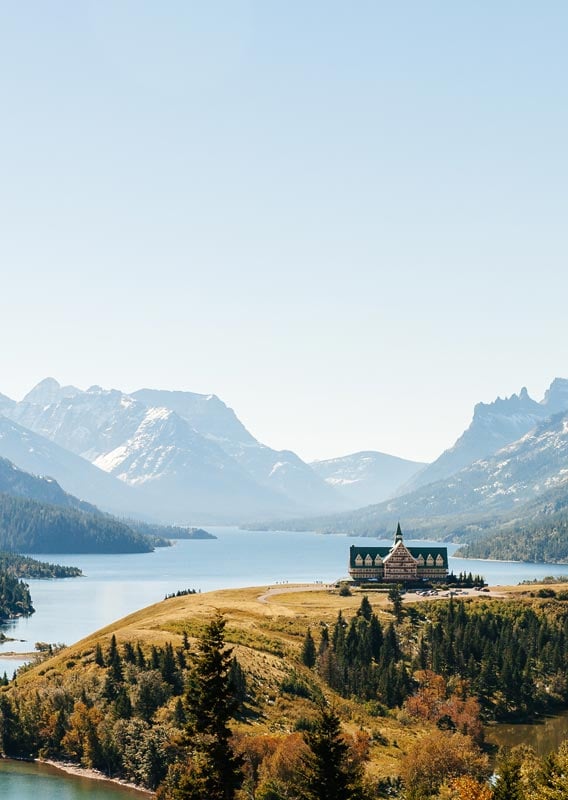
[22,781]
[545,736]
[115,585]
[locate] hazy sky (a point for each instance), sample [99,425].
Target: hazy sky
[346,219]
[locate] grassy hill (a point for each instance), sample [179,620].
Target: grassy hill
[115,699]
[266,631]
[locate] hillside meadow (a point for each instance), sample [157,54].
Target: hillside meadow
[51,702]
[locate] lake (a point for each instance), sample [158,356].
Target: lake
[115,585]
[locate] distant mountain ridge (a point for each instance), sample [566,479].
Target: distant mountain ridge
[502,487]
[368,476]
[15,481]
[281,471]
[182,457]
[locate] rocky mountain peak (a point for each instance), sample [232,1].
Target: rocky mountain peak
[556,396]
[505,406]
[49,391]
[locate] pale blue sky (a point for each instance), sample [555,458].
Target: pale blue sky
[347,219]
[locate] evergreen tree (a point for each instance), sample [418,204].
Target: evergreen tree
[212,770]
[324,641]
[365,609]
[129,653]
[140,659]
[508,785]
[123,704]
[395,598]
[99,658]
[168,668]
[180,718]
[237,682]
[115,668]
[328,773]
[308,656]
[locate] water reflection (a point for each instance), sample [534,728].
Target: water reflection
[545,736]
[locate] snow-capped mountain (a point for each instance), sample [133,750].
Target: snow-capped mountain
[40,456]
[174,464]
[187,454]
[366,477]
[494,425]
[88,423]
[279,470]
[556,397]
[516,474]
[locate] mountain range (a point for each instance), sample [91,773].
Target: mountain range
[181,457]
[506,471]
[175,457]
[494,425]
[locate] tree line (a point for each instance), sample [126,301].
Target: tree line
[27,526]
[26,567]
[510,656]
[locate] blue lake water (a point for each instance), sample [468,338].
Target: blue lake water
[115,585]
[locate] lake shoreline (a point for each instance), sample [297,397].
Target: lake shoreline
[71,768]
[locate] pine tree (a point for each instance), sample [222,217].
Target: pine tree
[238,682]
[99,658]
[123,704]
[324,641]
[508,784]
[365,609]
[180,718]
[212,770]
[129,653]
[308,655]
[396,599]
[328,773]
[140,659]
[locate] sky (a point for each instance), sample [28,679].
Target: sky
[347,220]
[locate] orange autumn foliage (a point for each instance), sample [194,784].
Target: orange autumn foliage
[431,702]
[467,788]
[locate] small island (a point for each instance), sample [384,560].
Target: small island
[188,533]
[15,598]
[168,531]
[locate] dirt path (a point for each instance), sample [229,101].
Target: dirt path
[296,587]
